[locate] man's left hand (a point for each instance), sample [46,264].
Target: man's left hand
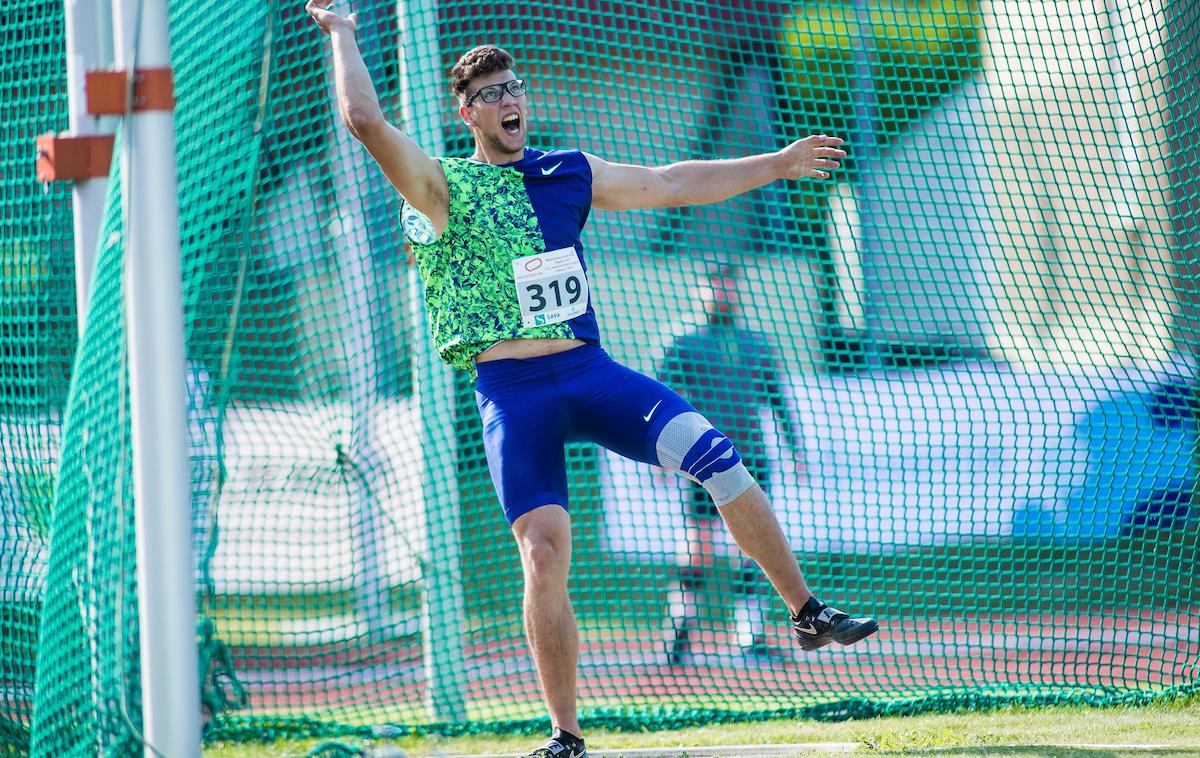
[814,157]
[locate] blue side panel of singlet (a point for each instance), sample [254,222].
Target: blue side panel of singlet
[559,184]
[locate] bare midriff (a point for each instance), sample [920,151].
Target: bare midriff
[526,349]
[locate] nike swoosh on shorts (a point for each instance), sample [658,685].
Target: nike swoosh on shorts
[652,410]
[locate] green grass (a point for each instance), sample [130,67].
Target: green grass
[1166,730]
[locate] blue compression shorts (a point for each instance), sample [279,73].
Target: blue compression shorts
[532,407]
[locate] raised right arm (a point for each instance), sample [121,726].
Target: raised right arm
[417,176]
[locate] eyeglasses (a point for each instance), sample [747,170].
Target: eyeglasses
[495,92]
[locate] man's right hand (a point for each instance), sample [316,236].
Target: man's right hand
[329,21]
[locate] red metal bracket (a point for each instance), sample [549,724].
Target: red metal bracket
[70,159]
[153,90]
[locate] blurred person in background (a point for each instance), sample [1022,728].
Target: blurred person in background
[729,374]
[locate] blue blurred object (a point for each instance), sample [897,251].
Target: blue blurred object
[1139,472]
[955,453]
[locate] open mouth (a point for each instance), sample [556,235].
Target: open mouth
[511,123]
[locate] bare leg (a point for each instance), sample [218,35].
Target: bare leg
[758,533]
[544,538]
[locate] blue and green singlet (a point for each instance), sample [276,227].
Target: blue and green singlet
[509,264]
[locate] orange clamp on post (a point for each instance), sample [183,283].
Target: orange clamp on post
[153,90]
[71,159]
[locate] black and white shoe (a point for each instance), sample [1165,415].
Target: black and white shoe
[560,747]
[817,625]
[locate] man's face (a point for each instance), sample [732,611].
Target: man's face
[499,127]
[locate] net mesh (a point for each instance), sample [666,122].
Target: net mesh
[963,371]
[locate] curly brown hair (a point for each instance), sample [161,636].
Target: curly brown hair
[476,62]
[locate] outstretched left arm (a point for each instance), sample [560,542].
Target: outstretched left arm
[620,186]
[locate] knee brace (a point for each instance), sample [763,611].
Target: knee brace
[691,446]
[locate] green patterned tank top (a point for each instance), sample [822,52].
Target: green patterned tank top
[498,215]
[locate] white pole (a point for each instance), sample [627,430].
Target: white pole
[88,31]
[89,46]
[166,588]
[443,612]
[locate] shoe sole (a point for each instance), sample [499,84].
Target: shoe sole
[815,643]
[861,633]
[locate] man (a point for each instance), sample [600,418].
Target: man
[496,238]
[728,373]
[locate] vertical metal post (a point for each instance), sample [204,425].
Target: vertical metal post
[154,313]
[88,31]
[88,36]
[443,617]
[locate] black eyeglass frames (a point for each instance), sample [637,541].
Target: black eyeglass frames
[494,92]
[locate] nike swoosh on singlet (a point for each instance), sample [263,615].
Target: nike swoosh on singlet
[652,410]
[551,170]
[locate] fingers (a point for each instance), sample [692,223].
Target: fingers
[824,140]
[824,156]
[822,168]
[814,157]
[327,19]
[316,10]
[825,146]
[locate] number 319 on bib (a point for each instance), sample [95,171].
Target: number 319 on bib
[551,287]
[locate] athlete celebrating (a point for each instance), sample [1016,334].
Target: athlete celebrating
[496,239]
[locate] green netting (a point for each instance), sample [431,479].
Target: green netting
[980,424]
[37,339]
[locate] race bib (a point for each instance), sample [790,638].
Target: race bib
[551,287]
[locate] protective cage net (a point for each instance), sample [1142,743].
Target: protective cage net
[963,370]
